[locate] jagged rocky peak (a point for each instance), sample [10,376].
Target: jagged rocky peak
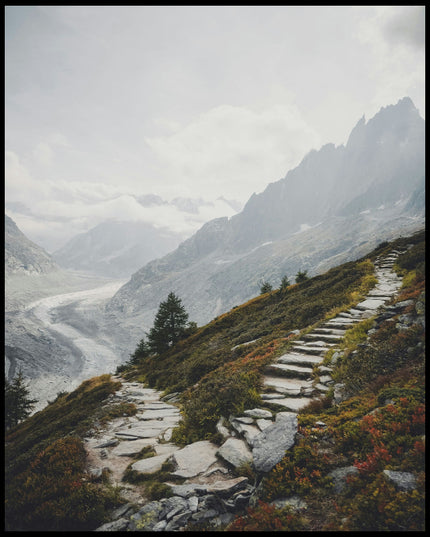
[337,200]
[22,256]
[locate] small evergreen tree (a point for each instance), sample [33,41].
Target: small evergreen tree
[302,276]
[142,350]
[18,405]
[285,282]
[265,287]
[170,325]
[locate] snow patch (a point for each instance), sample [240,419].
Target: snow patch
[305,227]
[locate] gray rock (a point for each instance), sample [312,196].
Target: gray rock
[129,448]
[270,445]
[195,458]
[221,428]
[160,526]
[146,518]
[121,511]
[205,514]
[235,452]
[339,394]
[294,501]
[263,424]
[108,443]
[227,487]
[151,464]
[258,413]
[402,480]
[172,506]
[178,521]
[116,525]
[340,475]
[188,490]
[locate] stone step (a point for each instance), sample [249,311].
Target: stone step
[370,304]
[288,370]
[316,349]
[330,338]
[299,358]
[334,331]
[292,403]
[286,385]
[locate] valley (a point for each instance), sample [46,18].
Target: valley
[67,327]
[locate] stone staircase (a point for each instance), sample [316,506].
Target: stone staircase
[299,376]
[259,436]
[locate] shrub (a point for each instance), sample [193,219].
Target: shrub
[265,517]
[53,493]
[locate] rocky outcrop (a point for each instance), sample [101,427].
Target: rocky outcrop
[22,256]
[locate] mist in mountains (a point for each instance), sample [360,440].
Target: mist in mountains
[339,202]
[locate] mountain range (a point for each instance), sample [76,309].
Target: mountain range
[117,249]
[338,203]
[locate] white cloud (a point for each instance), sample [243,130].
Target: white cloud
[52,212]
[234,151]
[396,67]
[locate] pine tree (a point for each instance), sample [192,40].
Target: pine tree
[302,276]
[18,405]
[265,287]
[285,282]
[170,325]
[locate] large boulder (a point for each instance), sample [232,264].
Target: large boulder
[272,443]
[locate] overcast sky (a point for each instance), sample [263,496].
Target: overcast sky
[107,103]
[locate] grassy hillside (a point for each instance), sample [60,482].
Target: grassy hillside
[218,370]
[378,429]
[45,481]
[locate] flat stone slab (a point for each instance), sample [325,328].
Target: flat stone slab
[324,337]
[248,431]
[160,413]
[227,486]
[150,465]
[299,358]
[195,458]
[371,304]
[335,331]
[263,424]
[235,451]
[293,403]
[314,349]
[258,413]
[143,431]
[130,448]
[290,369]
[270,445]
[286,385]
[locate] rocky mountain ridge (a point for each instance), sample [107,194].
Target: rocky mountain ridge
[22,256]
[338,203]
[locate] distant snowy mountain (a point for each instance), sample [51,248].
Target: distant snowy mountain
[116,249]
[337,204]
[22,256]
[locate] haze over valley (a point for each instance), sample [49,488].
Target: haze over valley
[200,150]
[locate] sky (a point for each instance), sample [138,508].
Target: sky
[104,104]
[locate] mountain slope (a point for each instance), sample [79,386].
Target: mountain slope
[357,463]
[22,256]
[338,203]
